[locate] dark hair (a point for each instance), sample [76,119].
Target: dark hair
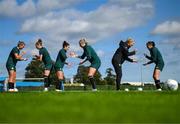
[65,44]
[20,43]
[39,42]
[151,43]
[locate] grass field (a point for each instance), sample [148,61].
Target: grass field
[90,107]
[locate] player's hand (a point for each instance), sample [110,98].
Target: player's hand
[25,59]
[145,54]
[23,53]
[69,65]
[144,64]
[73,54]
[81,62]
[135,61]
[34,58]
[135,50]
[37,57]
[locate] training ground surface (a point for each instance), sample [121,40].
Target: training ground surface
[89,107]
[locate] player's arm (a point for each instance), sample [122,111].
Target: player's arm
[63,55]
[126,51]
[89,55]
[72,54]
[129,59]
[82,56]
[20,56]
[150,62]
[131,53]
[68,64]
[148,57]
[126,54]
[154,55]
[39,57]
[82,62]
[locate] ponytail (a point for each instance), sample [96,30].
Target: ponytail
[39,42]
[20,43]
[65,44]
[129,40]
[151,43]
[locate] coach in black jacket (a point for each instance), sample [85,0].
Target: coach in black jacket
[122,54]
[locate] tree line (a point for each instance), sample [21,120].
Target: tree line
[35,70]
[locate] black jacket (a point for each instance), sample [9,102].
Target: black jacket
[122,54]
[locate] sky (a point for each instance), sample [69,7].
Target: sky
[102,22]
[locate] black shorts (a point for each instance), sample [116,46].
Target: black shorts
[159,66]
[58,69]
[48,66]
[11,68]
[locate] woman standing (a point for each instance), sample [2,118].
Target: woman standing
[156,58]
[92,57]
[13,58]
[45,57]
[122,54]
[60,61]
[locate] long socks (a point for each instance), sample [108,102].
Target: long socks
[157,82]
[60,84]
[91,78]
[10,85]
[46,81]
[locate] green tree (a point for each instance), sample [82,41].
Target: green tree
[82,76]
[35,69]
[110,77]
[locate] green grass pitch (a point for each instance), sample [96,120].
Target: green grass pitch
[90,107]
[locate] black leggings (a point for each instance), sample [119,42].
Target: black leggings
[118,70]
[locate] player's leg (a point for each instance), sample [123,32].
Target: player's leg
[118,71]
[11,80]
[47,72]
[156,76]
[60,84]
[14,81]
[12,76]
[46,80]
[91,74]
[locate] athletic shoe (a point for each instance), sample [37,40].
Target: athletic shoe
[46,89]
[58,90]
[16,90]
[159,89]
[11,90]
[94,90]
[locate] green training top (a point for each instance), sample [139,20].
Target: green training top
[61,58]
[46,57]
[12,59]
[90,54]
[156,56]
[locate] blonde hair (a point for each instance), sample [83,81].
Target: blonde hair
[129,40]
[83,41]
